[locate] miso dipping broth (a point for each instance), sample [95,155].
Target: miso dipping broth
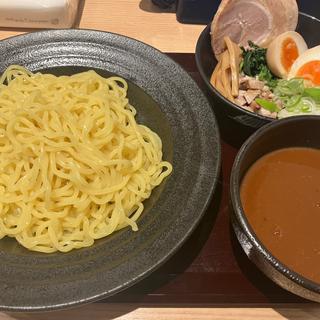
[280,196]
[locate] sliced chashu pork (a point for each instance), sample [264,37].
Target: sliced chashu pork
[257,20]
[292,14]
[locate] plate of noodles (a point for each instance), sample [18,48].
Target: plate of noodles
[109,155]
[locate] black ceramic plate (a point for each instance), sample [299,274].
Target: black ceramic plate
[168,101]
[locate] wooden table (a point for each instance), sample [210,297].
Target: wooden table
[210,277]
[138,19]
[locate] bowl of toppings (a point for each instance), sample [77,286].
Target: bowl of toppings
[275,199]
[260,61]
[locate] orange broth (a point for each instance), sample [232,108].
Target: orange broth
[280,195]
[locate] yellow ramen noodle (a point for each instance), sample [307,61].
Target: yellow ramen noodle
[74,164]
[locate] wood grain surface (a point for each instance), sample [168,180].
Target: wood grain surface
[138,19]
[100,311]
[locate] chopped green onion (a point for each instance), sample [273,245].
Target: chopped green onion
[291,102]
[307,105]
[313,93]
[268,105]
[291,87]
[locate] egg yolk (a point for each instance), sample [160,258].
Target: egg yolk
[289,53]
[310,71]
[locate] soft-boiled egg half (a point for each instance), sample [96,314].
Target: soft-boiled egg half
[283,51]
[307,66]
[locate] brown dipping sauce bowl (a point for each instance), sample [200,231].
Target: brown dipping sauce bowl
[297,131]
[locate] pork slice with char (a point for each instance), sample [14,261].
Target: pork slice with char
[250,95]
[241,20]
[246,83]
[257,20]
[240,100]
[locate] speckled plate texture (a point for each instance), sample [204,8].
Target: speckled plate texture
[168,101]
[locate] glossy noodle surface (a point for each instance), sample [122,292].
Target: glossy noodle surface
[75,166]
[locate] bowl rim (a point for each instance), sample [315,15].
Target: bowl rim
[230,104]
[240,215]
